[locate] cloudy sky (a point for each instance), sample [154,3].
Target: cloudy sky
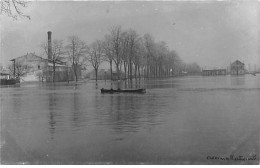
[211,33]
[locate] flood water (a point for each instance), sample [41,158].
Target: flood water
[182,120]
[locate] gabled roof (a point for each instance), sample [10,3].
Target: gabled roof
[28,55]
[32,56]
[238,62]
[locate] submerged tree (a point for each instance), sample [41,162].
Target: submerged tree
[18,70]
[57,53]
[116,40]
[193,68]
[13,8]
[135,53]
[95,53]
[76,50]
[149,45]
[108,53]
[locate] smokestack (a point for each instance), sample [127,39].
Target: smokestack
[49,46]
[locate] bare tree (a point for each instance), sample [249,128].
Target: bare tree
[57,53]
[125,50]
[149,44]
[95,53]
[18,70]
[160,58]
[139,57]
[76,50]
[173,62]
[133,46]
[193,68]
[116,40]
[41,75]
[12,8]
[108,52]
[137,54]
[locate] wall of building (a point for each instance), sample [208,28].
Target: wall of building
[60,76]
[214,72]
[31,62]
[38,69]
[237,68]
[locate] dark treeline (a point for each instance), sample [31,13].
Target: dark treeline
[136,56]
[139,56]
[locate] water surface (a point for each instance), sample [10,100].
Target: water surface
[178,121]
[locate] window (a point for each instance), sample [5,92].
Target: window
[39,67]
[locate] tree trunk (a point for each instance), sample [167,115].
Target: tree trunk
[148,70]
[139,72]
[111,71]
[128,70]
[96,73]
[125,64]
[118,72]
[76,76]
[159,71]
[68,74]
[155,71]
[130,63]
[75,71]
[135,71]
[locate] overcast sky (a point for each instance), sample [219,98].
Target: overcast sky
[213,34]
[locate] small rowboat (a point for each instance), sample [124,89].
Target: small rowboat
[123,91]
[9,81]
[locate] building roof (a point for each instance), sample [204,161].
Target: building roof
[27,56]
[237,62]
[33,56]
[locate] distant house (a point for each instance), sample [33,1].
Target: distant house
[214,72]
[41,69]
[31,64]
[237,68]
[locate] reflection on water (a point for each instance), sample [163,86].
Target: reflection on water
[238,80]
[52,112]
[178,121]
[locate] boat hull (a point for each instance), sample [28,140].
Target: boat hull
[111,91]
[9,81]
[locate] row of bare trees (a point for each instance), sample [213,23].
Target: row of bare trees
[128,53]
[138,56]
[132,55]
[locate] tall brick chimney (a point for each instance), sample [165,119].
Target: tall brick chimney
[49,46]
